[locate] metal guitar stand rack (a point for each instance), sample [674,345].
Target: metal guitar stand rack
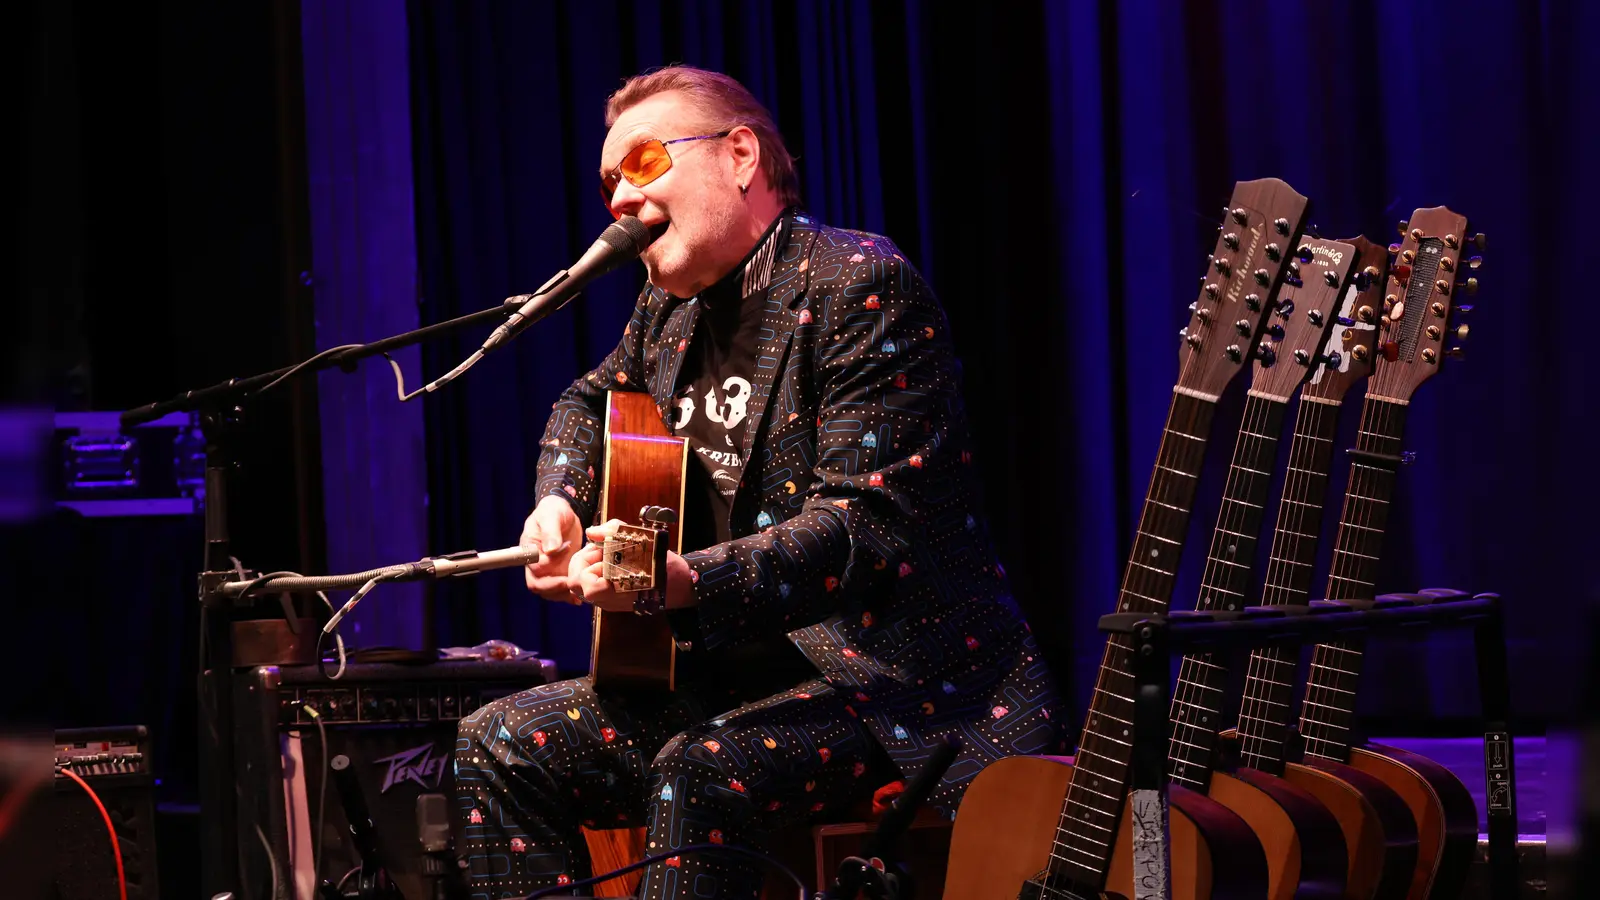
[1155,638]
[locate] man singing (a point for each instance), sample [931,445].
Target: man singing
[844,609]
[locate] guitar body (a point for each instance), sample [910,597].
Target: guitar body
[644,466]
[1302,839]
[1007,826]
[1447,818]
[1379,833]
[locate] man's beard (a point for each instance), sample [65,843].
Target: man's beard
[685,256]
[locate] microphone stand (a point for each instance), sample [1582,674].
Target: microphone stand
[221,407]
[870,874]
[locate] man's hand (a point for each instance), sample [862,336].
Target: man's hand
[587,582]
[551,524]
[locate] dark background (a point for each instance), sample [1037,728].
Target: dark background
[1055,170]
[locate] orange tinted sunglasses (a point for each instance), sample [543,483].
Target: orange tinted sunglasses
[644,164]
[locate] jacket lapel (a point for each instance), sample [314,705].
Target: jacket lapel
[790,278]
[664,350]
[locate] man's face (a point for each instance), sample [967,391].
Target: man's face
[698,197]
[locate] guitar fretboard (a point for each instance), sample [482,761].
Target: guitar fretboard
[1328,711]
[1202,682]
[1081,854]
[1265,712]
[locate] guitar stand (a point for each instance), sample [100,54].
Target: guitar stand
[1155,638]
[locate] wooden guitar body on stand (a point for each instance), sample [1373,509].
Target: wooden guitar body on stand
[1025,793]
[1380,833]
[1305,848]
[1446,816]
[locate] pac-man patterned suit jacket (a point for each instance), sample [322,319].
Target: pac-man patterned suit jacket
[858,528]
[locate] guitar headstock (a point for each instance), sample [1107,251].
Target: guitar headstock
[1354,338]
[1255,242]
[635,556]
[1431,269]
[1291,348]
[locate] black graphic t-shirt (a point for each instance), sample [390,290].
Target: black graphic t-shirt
[713,396]
[712,407]
[712,404]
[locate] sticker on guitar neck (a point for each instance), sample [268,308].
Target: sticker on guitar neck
[1151,869]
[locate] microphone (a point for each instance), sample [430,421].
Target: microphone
[469,561]
[621,242]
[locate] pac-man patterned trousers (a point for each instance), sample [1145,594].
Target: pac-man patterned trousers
[533,767]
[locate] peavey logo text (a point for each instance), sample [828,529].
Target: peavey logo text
[417,764]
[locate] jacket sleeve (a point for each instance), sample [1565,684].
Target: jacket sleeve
[887,383]
[572,450]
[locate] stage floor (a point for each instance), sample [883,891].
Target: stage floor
[1545,772]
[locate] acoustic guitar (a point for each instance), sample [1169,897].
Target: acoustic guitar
[1039,826]
[646,469]
[1304,845]
[1379,832]
[1419,314]
[642,484]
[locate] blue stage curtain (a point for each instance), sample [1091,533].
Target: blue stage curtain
[1057,170]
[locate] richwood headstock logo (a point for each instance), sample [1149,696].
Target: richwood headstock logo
[418,764]
[1256,232]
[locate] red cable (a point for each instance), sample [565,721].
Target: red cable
[116,847]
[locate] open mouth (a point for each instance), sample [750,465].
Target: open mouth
[657,230]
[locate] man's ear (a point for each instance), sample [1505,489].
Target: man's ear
[746,150]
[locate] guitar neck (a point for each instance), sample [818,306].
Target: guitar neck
[1202,682]
[1328,711]
[1093,809]
[1264,713]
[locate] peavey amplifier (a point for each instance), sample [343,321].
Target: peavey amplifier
[115,762]
[397,726]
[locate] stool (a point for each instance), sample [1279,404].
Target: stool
[811,850]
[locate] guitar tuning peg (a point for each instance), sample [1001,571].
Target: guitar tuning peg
[1470,286]
[1477,241]
[1457,352]
[1403,227]
[1394,249]
[1462,330]
[1473,262]
[1463,310]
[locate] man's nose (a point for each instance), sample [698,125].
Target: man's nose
[626,200]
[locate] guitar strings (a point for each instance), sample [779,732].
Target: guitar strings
[1327,737]
[1251,444]
[1182,417]
[1313,423]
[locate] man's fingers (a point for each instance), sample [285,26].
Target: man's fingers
[602,531]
